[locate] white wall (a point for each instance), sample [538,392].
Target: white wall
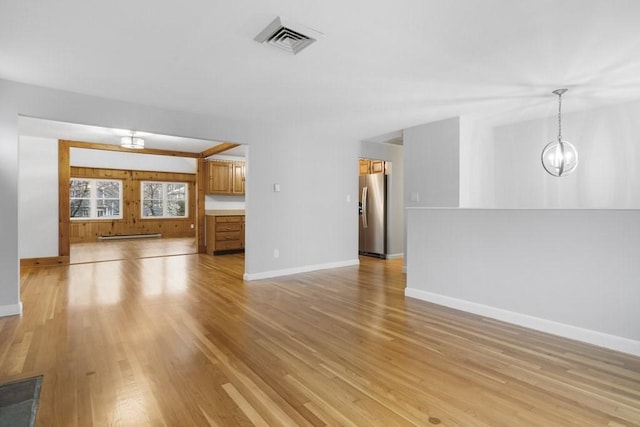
[493,262]
[130,161]
[217,202]
[432,164]
[569,272]
[38,198]
[9,260]
[395,196]
[309,221]
[477,164]
[503,169]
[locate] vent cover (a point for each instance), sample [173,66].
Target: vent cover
[287,36]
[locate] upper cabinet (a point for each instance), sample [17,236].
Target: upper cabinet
[368,166]
[377,166]
[365,166]
[225,177]
[237,179]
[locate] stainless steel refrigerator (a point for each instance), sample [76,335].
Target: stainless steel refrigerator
[373,215]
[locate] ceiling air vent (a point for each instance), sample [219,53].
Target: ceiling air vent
[287,36]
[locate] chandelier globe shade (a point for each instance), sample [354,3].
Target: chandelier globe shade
[560,157]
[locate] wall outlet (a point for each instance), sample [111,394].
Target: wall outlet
[276,253]
[348,198]
[192,226]
[415,196]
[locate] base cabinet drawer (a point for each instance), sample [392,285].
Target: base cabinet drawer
[235,218]
[225,234]
[228,226]
[227,245]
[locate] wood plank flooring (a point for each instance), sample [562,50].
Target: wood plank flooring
[183,341]
[112,250]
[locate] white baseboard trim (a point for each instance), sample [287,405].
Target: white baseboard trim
[601,339]
[395,256]
[11,309]
[296,270]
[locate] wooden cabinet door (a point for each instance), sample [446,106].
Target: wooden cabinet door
[377,166]
[210,232]
[364,166]
[368,166]
[238,178]
[242,234]
[219,178]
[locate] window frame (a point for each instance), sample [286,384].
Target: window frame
[93,199]
[164,203]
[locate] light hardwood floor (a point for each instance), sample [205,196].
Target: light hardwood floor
[111,250]
[183,341]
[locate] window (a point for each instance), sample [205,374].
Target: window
[164,199]
[95,198]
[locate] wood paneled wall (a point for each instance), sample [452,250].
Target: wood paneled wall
[131,222]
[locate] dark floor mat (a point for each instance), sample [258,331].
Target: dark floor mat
[19,402]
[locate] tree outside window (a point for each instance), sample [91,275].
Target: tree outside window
[80,198]
[164,199]
[95,198]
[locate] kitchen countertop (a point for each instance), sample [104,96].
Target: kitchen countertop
[223,212]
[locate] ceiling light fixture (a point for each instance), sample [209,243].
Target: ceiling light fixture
[132,142]
[559,158]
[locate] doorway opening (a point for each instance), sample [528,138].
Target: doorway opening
[157,190]
[372,207]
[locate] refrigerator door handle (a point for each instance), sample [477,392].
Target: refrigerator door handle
[365,190]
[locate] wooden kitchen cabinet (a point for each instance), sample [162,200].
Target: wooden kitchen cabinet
[367,166]
[225,177]
[218,177]
[237,181]
[364,166]
[225,234]
[377,166]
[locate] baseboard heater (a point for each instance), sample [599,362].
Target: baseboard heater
[129,236]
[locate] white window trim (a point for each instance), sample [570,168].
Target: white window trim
[164,204]
[93,200]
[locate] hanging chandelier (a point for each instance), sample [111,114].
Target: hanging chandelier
[559,158]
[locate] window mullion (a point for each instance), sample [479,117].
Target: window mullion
[165,197]
[93,203]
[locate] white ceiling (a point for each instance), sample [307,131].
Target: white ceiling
[381,66]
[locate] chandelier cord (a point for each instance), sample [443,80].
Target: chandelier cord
[559,158]
[560,117]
